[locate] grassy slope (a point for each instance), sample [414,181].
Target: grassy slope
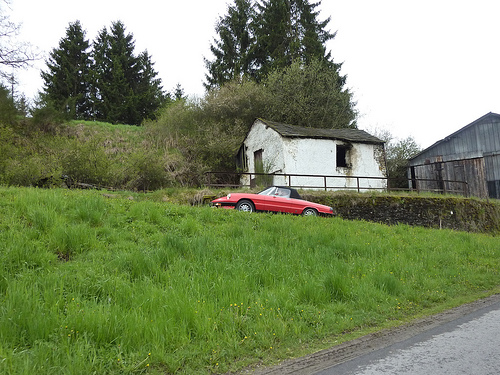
[90,283]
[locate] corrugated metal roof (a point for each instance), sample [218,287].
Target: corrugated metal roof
[293,131]
[439,144]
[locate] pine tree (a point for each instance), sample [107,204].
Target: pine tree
[66,83]
[149,89]
[125,87]
[117,73]
[286,31]
[179,92]
[232,49]
[255,39]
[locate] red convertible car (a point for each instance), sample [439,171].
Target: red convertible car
[273,199]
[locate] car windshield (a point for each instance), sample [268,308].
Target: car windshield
[276,191]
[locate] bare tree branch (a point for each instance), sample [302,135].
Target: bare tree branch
[13,53]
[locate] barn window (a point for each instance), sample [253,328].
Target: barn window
[343,156]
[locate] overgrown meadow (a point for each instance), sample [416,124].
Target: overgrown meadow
[91,283]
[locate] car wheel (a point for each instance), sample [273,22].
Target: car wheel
[245,206]
[310,212]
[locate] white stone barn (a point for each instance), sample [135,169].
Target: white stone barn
[350,158]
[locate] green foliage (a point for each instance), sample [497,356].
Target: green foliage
[34,169]
[257,38]
[7,149]
[97,154]
[232,49]
[286,31]
[110,83]
[8,111]
[86,161]
[95,284]
[397,155]
[117,70]
[148,171]
[309,95]
[67,81]
[208,133]
[236,102]
[46,118]
[126,89]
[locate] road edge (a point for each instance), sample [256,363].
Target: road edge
[349,350]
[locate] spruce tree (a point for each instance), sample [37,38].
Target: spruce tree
[232,48]
[286,31]
[116,75]
[66,83]
[149,89]
[256,38]
[125,86]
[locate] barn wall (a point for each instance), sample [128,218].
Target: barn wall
[471,154]
[471,171]
[492,167]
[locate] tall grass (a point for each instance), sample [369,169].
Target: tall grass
[90,284]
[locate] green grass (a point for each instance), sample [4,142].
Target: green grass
[92,284]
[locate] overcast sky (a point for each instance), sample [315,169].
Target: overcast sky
[420,68]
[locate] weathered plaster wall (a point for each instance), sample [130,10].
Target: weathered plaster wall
[313,157]
[261,137]
[319,157]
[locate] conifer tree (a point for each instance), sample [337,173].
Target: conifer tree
[286,31]
[66,83]
[149,89]
[232,49]
[116,74]
[256,38]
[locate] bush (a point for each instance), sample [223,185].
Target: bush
[147,171]
[86,161]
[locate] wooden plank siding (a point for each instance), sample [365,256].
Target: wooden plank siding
[472,154]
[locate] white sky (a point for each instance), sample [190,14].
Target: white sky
[421,68]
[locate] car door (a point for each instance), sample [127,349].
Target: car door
[281,202]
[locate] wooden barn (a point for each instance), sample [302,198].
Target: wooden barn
[467,161]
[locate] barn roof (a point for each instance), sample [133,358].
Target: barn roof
[487,117]
[293,131]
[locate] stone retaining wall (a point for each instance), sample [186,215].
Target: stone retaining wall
[463,214]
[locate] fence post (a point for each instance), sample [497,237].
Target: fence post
[324,179]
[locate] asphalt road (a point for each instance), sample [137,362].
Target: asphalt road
[464,340]
[469,345]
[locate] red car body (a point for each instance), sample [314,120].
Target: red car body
[273,199]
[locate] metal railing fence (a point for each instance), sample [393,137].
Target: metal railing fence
[333,182]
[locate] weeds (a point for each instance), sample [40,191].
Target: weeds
[90,284]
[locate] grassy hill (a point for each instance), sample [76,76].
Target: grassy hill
[125,283]
[114,156]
